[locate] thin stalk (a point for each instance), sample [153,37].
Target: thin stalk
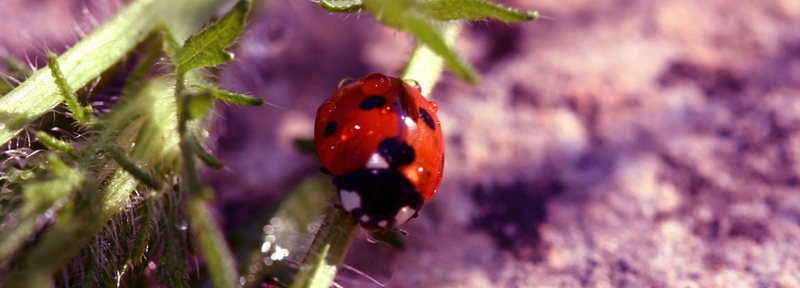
[425,66]
[327,252]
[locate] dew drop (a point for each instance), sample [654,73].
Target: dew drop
[433,106]
[326,110]
[183,225]
[376,84]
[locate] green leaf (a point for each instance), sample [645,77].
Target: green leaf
[207,48]
[445,10]
[428,36]
[226,96]
[342,6]
[198,103]
[390,12]
[119,156]
[401,14]
[425,66]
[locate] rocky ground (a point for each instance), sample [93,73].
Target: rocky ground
[611,144]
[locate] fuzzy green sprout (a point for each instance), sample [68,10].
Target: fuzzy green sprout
[122,180]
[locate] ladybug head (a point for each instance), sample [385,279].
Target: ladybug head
[378,198]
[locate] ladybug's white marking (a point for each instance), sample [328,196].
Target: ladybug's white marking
[365,218]
[403,215]
[382,223]
[350,200]
[376,161]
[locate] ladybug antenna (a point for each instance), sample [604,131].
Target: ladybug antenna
[367,276]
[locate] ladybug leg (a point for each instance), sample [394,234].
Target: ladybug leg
[401,231]
[325,171]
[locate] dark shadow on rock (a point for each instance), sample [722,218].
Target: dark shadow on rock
[512,213]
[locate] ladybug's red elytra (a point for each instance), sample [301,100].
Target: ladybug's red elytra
[382,142]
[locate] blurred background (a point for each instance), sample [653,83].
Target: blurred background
[610,144]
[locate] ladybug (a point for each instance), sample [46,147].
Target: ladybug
[382,143]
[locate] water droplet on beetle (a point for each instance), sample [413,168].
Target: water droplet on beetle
[433,106]
[376,84]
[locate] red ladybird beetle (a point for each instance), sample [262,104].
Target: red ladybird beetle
[382,142]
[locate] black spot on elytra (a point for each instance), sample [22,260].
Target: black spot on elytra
[396,153]
[512,214]
[427,117]
[372,102]
[330,128]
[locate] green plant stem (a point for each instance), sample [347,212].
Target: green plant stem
[425,66]
[53,143]
[118,155]
[82,114]
[212,242]
[204,156]
[327,252]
